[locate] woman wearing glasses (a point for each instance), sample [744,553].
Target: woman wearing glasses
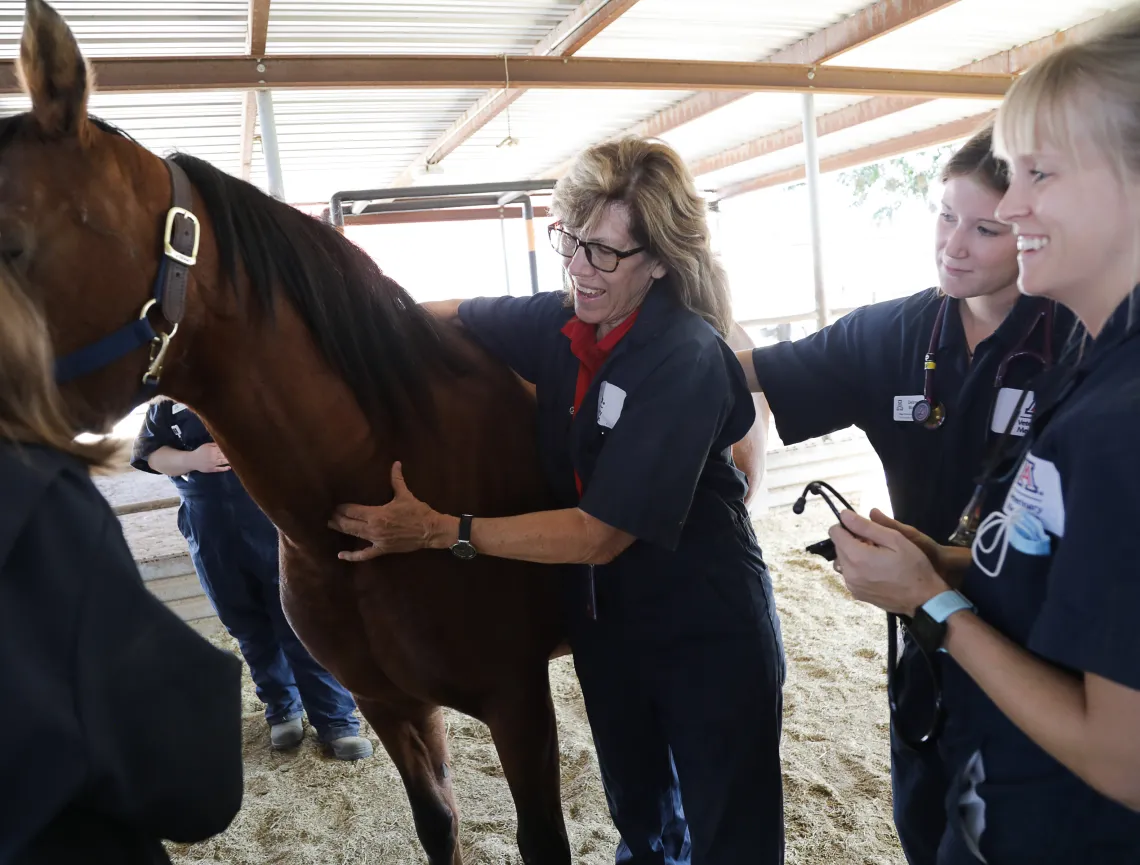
[1042,675]
[932,428]
[674,630]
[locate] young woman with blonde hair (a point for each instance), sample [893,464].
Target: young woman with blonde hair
[672,621]
[122,726]
[1042,635]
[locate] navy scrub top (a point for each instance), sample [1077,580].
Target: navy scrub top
[651,442]
[1073,601]
[854,371]
[172,424]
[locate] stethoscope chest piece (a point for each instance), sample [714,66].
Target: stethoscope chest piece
[930,415]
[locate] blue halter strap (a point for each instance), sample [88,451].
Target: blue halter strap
[180,239]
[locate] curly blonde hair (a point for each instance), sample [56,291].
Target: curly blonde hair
[666,216]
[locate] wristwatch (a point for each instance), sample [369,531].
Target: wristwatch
[463,548]
[928,627]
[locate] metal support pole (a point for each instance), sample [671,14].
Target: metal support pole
[528,219]
[812,171]
[506,259]
[269,144]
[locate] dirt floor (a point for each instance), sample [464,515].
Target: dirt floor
[303,808]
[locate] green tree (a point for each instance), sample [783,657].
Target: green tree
[886,185]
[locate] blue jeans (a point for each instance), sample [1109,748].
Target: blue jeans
[234,549]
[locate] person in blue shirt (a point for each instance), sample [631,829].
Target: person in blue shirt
[868,370]
[234,548]
[671,615]
[1039,630]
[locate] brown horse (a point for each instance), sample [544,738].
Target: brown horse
[314,372]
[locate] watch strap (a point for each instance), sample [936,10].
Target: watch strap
[942,606]
[465,528]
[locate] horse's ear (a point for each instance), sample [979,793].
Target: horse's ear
[53,72]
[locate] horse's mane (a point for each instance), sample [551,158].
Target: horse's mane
[366,325]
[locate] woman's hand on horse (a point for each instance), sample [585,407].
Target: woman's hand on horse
[403,525]
[882,567]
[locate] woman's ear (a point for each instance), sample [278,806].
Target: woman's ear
[659,271]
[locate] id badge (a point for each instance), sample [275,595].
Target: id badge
[1004,405]
[904,407]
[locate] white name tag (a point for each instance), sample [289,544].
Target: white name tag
[611,398]
[1038,490]
[904,406]
[177,407]
[1004,406]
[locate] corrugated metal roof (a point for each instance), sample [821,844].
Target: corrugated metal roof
[140,28]
[207,125]
[337,139]
[970,30]
[748,118]
[925,116]
[354,139]
[411,27]
[550,125]
[714,29]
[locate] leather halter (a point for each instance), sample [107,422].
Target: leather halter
[180,238]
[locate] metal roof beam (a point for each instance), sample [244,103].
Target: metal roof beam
[470,71]
[257,30]
[860,27]
[587,20]
[871,153]
[1011,62]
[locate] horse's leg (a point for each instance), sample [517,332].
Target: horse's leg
[416,740]
[526,736]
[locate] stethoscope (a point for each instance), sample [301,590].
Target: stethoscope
[971,517]
[826,549]
[929,412]
[932,415]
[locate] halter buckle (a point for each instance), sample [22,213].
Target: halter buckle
[167,236]
[158,347]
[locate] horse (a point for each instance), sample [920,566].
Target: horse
[314,372]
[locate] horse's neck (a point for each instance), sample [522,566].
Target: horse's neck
[289,426]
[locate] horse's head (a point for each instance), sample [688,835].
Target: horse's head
[81,216]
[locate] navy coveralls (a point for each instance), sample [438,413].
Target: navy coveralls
[1067,588]
[234,548]
[852,373]
[682,669]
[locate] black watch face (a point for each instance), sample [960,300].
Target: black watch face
[463,550]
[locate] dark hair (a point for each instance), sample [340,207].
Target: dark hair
[976,159]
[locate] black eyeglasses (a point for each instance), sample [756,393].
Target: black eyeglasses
[602,257]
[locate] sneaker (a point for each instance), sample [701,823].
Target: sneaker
[287,734]
[350,748]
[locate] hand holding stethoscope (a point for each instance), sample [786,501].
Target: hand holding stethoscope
[890,565]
